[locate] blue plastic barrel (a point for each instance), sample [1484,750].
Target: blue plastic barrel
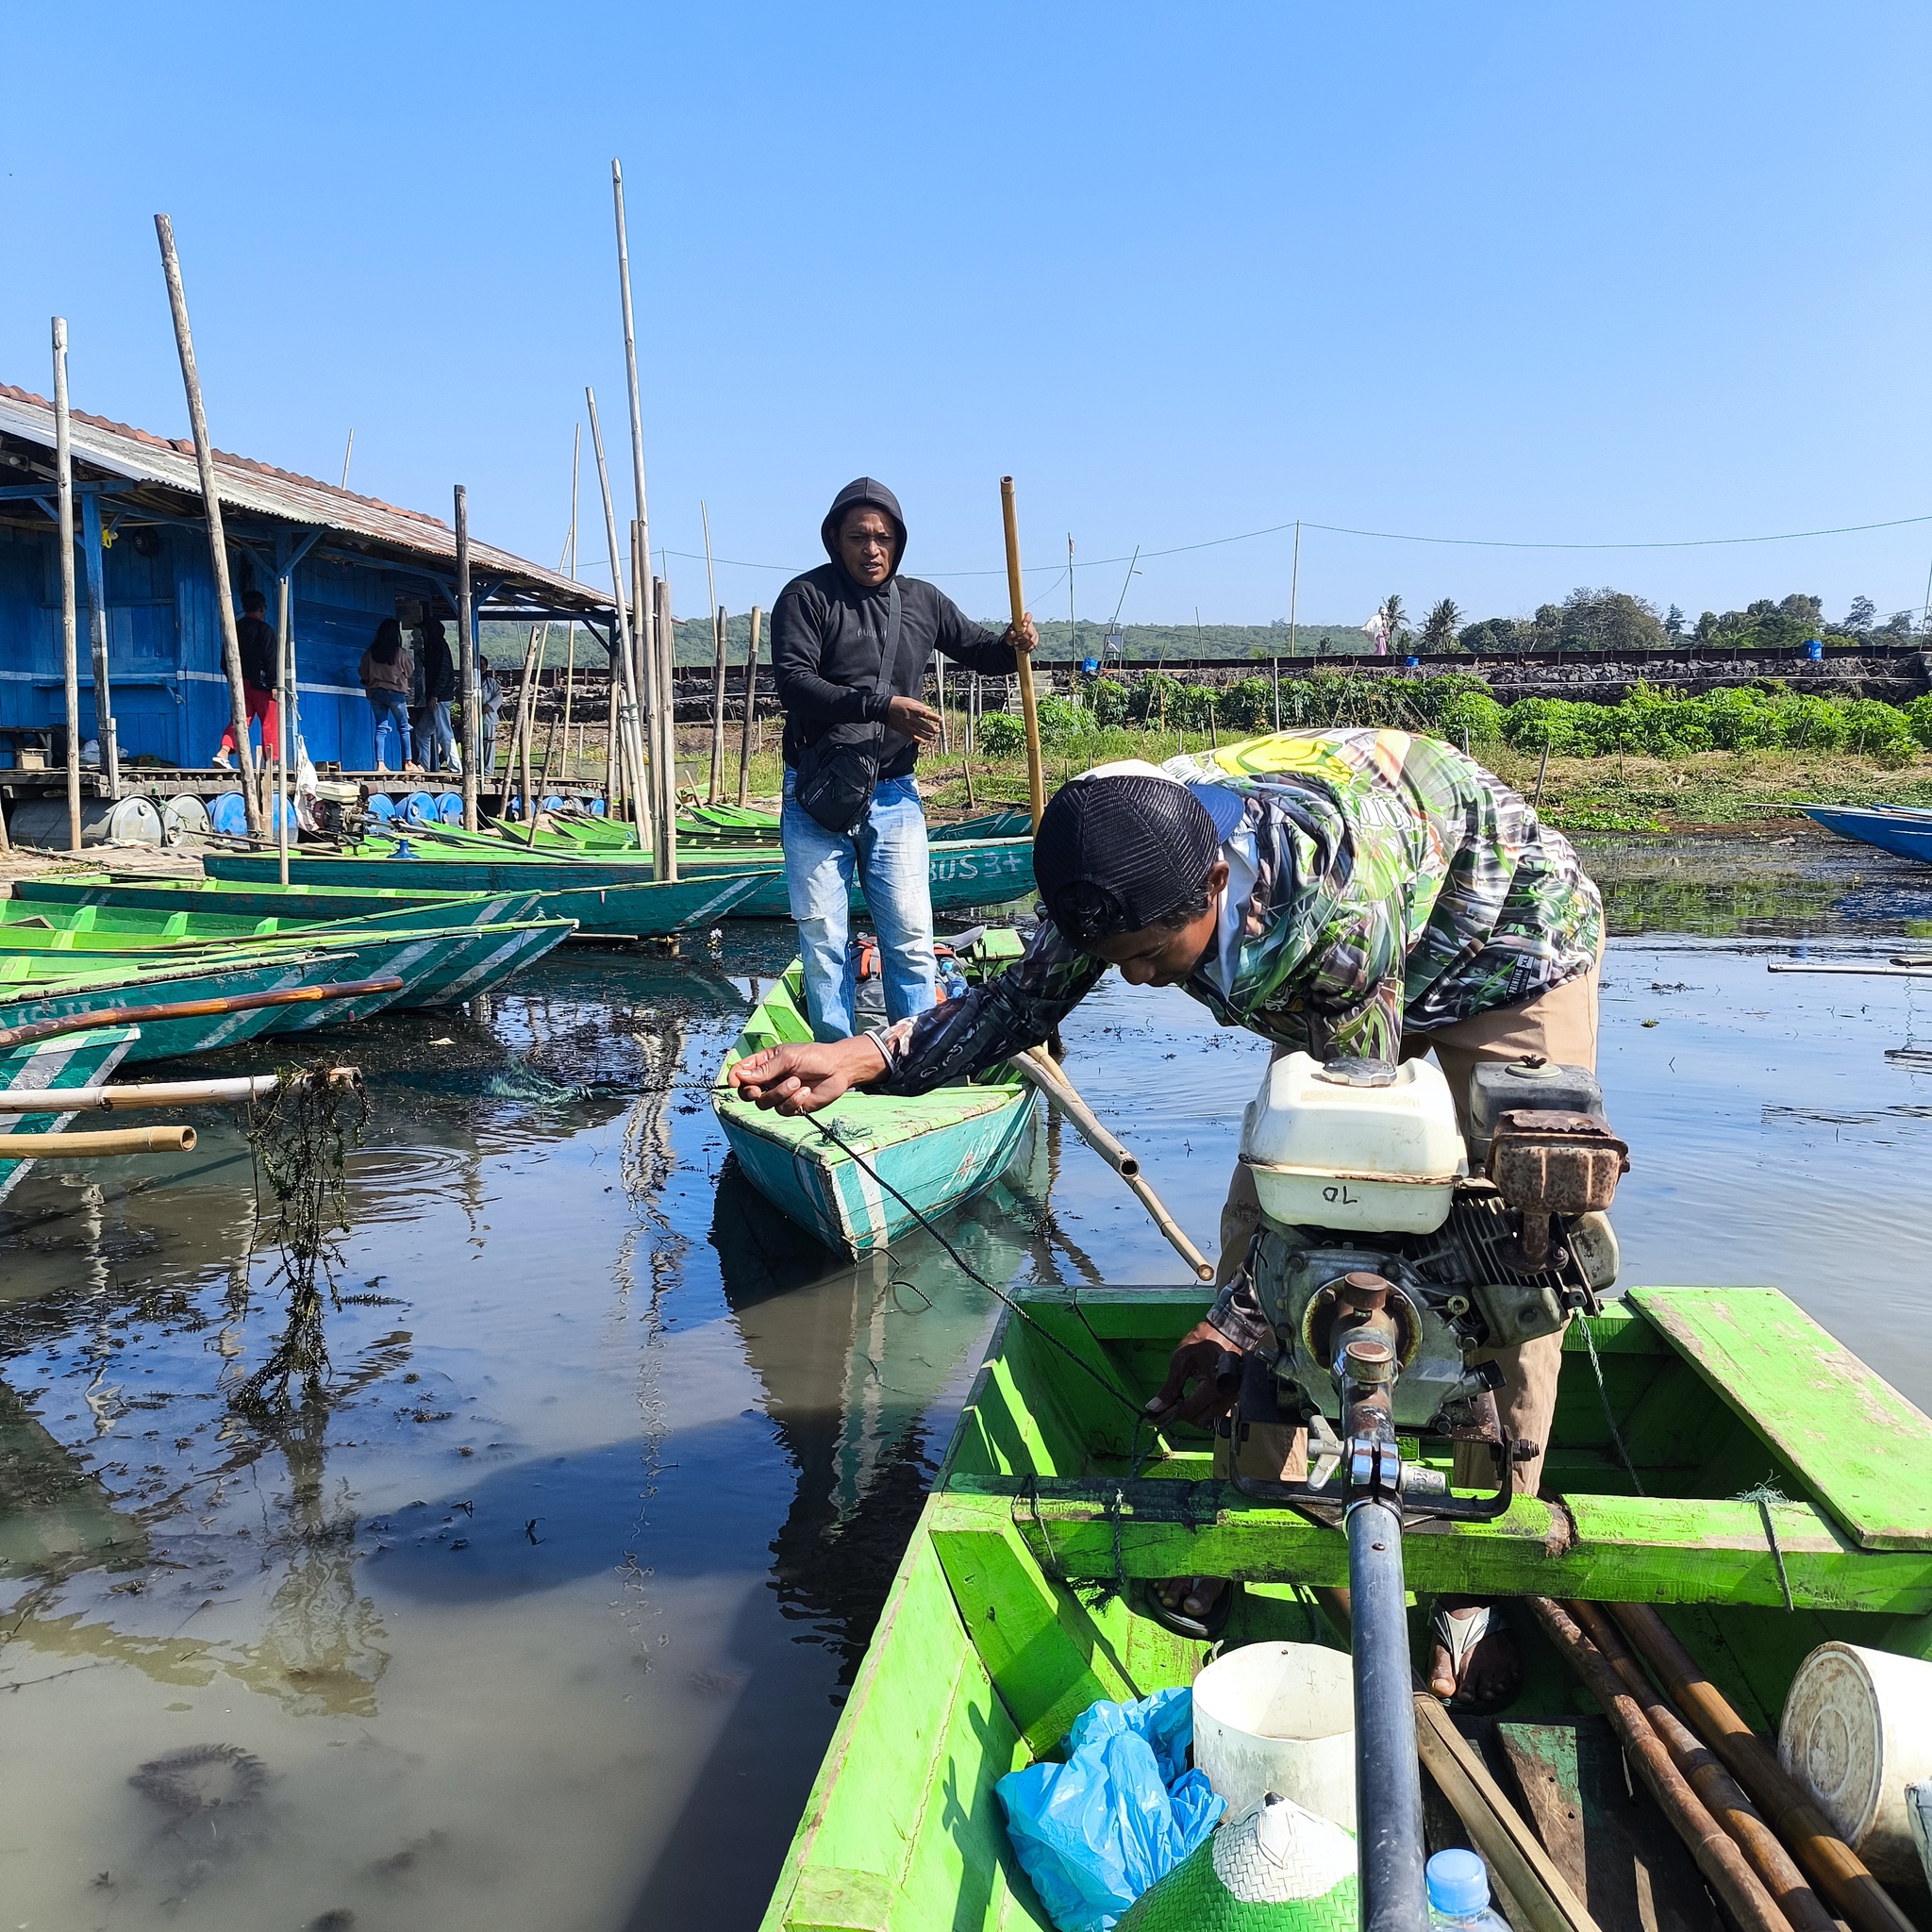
[380,806]
[596,807]
[420,808]
[449,807]
[228,815]
[1814,649]
[1411,663]
[551,804]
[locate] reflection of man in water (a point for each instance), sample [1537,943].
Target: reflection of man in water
[1346,893]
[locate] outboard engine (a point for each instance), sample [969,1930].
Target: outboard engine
[1390,1255]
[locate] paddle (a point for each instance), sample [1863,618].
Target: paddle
[1022,660]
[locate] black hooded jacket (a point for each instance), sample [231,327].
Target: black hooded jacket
[828,632]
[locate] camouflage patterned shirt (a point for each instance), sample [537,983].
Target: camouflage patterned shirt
[1377,880]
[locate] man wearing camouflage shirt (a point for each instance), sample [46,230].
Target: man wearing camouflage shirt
[1359,892]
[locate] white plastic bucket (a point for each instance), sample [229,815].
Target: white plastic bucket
[1278,1717]
[1856,1730]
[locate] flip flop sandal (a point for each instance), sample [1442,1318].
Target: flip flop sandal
[1198,1629]
[1461,1637]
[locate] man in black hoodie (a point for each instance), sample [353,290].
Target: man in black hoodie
[831,632]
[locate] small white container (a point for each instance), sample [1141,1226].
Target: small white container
[1328,1150]
[1278,1717]
[1856,1730]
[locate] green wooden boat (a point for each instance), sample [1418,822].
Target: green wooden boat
[68,1060]
[1012,1611]
[214,909]
[468,959]
[604,900]
[938,1150]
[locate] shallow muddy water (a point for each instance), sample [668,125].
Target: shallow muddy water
[543,1617]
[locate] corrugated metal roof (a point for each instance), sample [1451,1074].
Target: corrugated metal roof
[246,484]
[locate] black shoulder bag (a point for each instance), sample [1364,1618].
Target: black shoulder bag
[838,772]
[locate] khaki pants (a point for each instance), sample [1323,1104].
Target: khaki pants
[1561,1025]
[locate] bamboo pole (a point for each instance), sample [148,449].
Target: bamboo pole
[217,535]
[151,1093]
[28,1032]
[106,728]
[69,646]
[467,678]
[282,684]
[716,777]
[648,725]
[1708,1778]
[1718,1858]
[621,657]
[569,646]
[1034,1067]
[667,730]
[110,1141]
[750,705]
[1834,1867]
[640,585]
[1022,660]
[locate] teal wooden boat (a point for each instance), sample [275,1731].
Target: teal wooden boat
[468,959]
[216,909]
[1015,1605]
[605,900]
[66,1062]
[938,1150]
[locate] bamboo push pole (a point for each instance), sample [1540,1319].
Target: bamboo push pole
[667,729]
[621,666]
[70,647]
[149,1093]
[217,536]
[30,1030]
[473,737]
[750,705]
[1034,1067]
[1036,781]
[110,1141]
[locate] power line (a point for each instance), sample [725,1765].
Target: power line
[1398,537]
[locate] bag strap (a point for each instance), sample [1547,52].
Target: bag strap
[883,682]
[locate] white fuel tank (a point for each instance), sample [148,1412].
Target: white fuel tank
[1354,1144]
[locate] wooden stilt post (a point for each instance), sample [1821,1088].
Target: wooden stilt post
[106,736]
[751,706]
[621,669]
[217,541]
[282,683]
[70,653]
[466,677]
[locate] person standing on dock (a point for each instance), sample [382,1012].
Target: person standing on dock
[1349,894]
[851,643]
[259,650]
[436,741]
[385,672]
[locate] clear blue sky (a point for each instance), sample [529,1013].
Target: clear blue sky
[1547,273]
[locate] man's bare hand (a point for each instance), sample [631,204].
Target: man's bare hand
[1026,638]
[910,719]
[802,1079]
[1201,1356]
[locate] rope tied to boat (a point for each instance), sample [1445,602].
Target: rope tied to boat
[1602,1395]
[1764,1494]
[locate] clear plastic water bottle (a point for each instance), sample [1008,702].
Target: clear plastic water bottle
[1459,1893]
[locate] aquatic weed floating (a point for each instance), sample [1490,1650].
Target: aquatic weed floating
[202,1779]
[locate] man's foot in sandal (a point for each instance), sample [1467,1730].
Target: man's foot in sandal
[1475,1666]
[1193,1607]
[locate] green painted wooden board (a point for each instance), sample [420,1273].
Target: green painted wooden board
[1861,1449]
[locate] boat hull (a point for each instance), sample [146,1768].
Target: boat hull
[1894,829]
[214,908]
[68,1060]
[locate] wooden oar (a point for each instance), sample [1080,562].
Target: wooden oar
[189,1010]
[1022,660]
[122,1099]
[1034,1067]
[114,1140]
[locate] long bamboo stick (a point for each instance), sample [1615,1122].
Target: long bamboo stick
[1833,1866]
[217,536]
[70,647]
[1035,1069]
[31,1030]
[664,635]
[750,705]
[621,674]
[1016,596]
[466,677]
[1708,1778]
[93,1146]
[1717,1855]
[150,1093]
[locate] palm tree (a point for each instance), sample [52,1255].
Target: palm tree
[1396,616]
[1441,624]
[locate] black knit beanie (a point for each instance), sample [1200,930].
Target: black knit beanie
[1116,854]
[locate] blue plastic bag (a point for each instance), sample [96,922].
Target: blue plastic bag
[1092,1834]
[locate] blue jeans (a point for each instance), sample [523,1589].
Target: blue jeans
[435,742]
[888,857]
[392,709]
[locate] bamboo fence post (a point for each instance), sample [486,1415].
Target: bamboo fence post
[750,705]
[621,656]
[466,681]
[1022,660]
[217,535]
[70,648]
[1833,1866]
[1718,1858]
[666,642]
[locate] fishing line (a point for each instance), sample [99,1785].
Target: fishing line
[966,1268]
